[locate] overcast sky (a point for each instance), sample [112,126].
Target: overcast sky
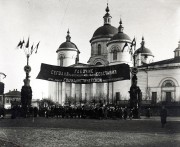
[47,21]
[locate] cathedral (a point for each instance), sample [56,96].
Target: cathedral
[158,81]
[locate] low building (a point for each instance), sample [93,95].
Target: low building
[12,97]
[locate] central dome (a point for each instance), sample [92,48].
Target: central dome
[106,31]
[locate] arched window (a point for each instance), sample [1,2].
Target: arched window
[168,83]
[61,61]
[99,49]
[115,55]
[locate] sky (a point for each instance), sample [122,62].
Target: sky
[47,21]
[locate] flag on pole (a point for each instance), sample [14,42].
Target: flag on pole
[27,44]
[126,44]
[22,43]
[32,49]
[133,43]
[19,44]
[37,46]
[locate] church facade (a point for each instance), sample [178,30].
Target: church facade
[158,81]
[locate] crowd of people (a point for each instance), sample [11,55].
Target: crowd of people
[85,111]
[102,112]
[81,112]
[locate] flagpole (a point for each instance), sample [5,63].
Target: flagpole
[135,91]
[26,91]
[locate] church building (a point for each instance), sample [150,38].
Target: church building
[158,81]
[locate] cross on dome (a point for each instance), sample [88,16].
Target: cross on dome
[120,28]
[68,37]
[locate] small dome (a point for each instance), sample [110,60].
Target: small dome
[104,31]
[143,50]
[68,44]
[120,35]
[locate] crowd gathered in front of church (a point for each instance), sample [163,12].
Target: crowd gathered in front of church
[78,112]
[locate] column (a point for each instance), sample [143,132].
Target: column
[63,98]
[105,92]
[83,91]
[94,90]
[72,90]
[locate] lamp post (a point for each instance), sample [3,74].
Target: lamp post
[26,91]
[135,92]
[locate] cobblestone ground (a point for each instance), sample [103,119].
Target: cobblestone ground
[52,132]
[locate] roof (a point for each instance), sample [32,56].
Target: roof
[13,93]
[67,45]
[120,36]
[168,61]
[105,31]
[143,50]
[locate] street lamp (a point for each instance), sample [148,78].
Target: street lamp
[26,91]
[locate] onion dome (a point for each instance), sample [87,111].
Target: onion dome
[177,51]
[120,35]
[68,44]
[143,50]
[105,31]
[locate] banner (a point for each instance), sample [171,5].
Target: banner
[84,75]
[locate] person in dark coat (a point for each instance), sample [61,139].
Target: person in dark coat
[163,115]
[148,113]
[125,113]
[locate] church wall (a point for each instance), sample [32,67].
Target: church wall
[69,57]
[94,47]
[154,81]
[52,90]
[143,84]
[123,55]
[123,87]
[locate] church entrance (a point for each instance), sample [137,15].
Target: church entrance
[168,91]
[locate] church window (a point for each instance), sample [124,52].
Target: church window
[61,61]
[115,55]
[168,83]
[99,49]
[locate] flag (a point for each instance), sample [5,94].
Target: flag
[133,43]
[19,44]
[124,46]
[22,43]
[31,49]
[37,46]
[27,44]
